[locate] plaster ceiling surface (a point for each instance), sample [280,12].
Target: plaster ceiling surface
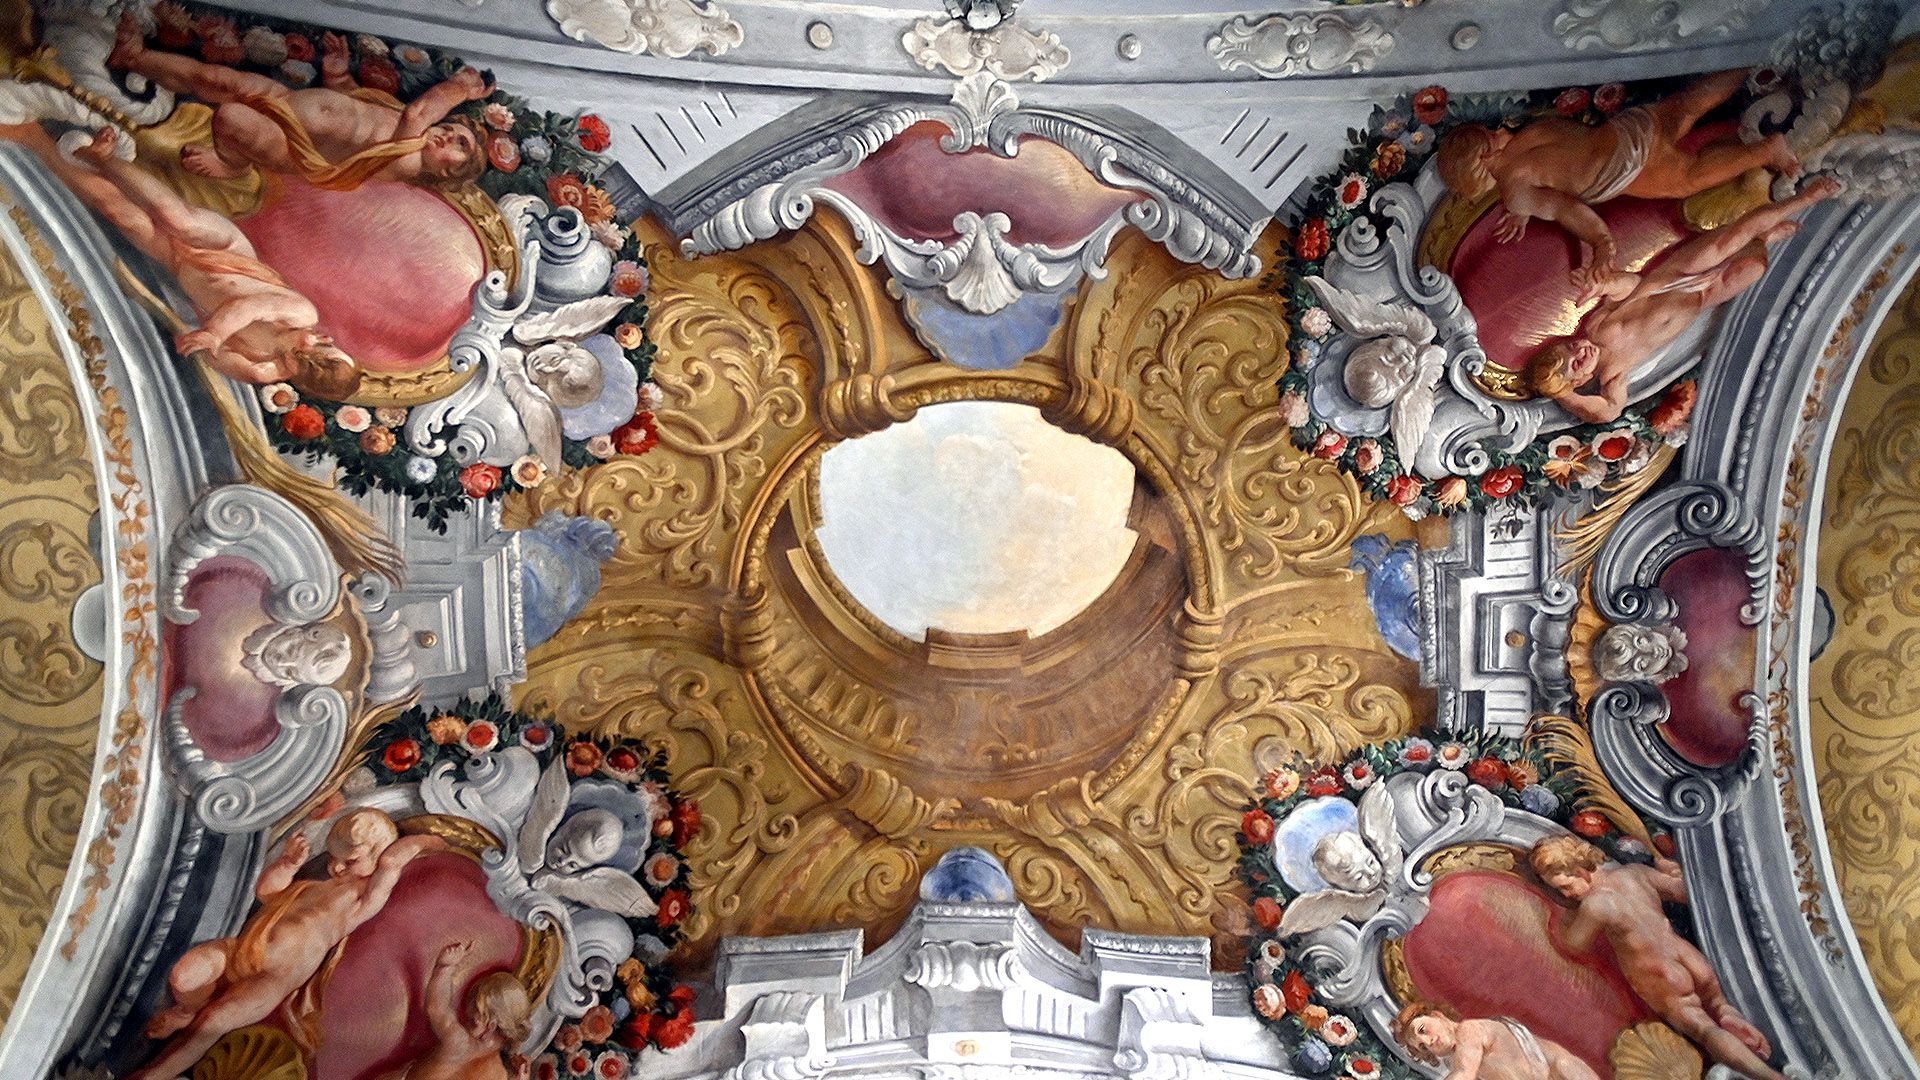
[1008,537]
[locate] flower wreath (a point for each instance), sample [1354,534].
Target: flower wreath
[644,1006]
[529,152]
[1320,1040]
[1397,142]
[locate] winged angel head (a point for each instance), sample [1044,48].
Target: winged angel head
[554,371]
[571,855]
[1357,867]
[1396,364]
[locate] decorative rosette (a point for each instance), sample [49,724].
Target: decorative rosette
[1397,143]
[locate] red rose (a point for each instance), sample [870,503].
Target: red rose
[1663,843]
[673,908]
[1361,1067]
[299,47]
[502,152]
[1488,772]
[686,820]
[636,436]
[583,758]
[479,480]
[1430,105]
[1403,489]
[1295,990]
[634,1034]
[1329,445]
[623,759]
[1610,97]
[1674,408]
[1501,482]
[1266,913]
[1571,103]
[673,1031]
[566,189]
[1310,245]
[222,48]
[1613,445]
[401,755]
[592,134]
[378,73]
[1324,781]
[1257,827]
[304,422]
[1590,824]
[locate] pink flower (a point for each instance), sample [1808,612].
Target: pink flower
[629,278]
[601,446]
[497,116]
[482,736]
[1366,457]
[1269,1002]
[502,152]
[1610,97]
[353,418]
[1338,1031]
[529,471]
[278,398]
[1572,102]
[1329,445]
[1293,408]
[1450,492]
[1359,775]
[661,869]
[1613,445]
[1403,489]
[1452,755]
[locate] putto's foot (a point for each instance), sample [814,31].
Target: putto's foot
[203,160]
[1781,158]
[1825,187]
[99,148]
[128,43]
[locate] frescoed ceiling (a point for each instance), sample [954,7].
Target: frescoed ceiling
[762,540]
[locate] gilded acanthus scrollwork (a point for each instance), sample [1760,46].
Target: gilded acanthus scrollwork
[1104,763]
[1863,689]
[49,690]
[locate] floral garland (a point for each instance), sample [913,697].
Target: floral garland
[1320,1040]
[1397,142]
[644,1007]
[529,152]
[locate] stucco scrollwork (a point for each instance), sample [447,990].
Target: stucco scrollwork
[1635,25]
[1282,46]
[669,28]
[1004,48]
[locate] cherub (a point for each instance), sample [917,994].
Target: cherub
[470,1048]
[1640,314]
[288,945]
[1622,905]
[314,654]
[1558,169]
[1497,1049]
[1357,866]
[253,327]
[336,136]
[1396,362]
[554,371]
[568,859]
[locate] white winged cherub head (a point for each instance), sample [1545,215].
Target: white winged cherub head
[311,654]
[588,839]
[1394,363]
[1357,867]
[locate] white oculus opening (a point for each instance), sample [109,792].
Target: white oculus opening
[975,517]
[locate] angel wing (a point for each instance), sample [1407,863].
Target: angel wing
[602,887]
[572,321]
[535,409]
[1365,317]
[543,816]
[1317,910]
[1383,836]
[1412,411]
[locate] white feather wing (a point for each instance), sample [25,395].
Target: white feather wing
[538,418]
[543,816]
[1377,825]
[1365,317]
[1412,412]
[604,888]
[570,321]
[1318,910]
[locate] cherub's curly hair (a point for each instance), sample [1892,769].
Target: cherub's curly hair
[1547,372]
[476,163]
[1461,159]
[1565,855]
[1403,1027]
[500,999]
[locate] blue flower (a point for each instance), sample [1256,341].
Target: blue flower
[420,469]
[1312,1056]
[536,150]
[1539,799]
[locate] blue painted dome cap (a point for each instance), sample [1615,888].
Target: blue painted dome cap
[967,875]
